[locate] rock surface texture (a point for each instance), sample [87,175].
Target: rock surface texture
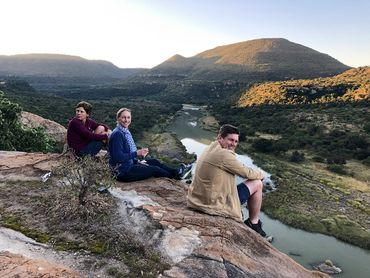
[194,244]
[54,130]
[13,265]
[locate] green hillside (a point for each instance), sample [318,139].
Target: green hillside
[352,85]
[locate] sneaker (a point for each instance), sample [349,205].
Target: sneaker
[255,227]
[185,170]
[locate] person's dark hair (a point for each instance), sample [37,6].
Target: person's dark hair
[119,112]
[227,129]
[85,105]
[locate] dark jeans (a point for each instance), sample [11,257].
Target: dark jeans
[154,168]
[91,149]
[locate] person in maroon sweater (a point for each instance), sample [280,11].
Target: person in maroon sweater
[84,135]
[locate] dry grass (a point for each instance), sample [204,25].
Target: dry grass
[65,206]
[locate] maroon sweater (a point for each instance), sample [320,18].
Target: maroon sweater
[80,134]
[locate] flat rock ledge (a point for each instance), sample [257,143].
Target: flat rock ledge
[25,166]
[193,243]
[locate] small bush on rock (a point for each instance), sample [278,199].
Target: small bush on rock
[81,181]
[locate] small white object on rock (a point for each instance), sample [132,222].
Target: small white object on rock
[45,177]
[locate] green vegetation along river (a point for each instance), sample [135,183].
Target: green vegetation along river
[306,248]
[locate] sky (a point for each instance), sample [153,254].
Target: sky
[145,33]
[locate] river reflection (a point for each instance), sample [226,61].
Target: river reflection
[304,247]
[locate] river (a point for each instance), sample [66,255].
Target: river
[306,248]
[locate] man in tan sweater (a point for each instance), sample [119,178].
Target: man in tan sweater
[213,188]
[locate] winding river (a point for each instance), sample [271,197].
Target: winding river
[306,248]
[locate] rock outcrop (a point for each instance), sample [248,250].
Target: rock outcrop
[194,244]
[54,130]
[13,265]
[197,244]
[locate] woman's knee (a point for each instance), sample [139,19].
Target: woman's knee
[99,130]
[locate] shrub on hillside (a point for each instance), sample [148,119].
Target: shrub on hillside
[245,132]
[356,142]
[281,146]
[297,157]
[317,158]
[337,168]
[336,159]
[16,137]
[262,145]
[367,128]
[361,154]
[366,161]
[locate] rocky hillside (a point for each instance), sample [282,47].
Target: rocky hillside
[54,65]
[352,85]
[52,129]
[154,212]
[260,59]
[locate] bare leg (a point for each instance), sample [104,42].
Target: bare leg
[255,199]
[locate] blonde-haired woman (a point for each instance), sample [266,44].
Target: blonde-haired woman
[123,155]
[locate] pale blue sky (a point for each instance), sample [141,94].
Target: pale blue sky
[144,33]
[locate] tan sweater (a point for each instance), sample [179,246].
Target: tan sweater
[213,189]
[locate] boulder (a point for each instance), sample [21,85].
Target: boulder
[54,130]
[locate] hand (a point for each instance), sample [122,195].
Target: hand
[109,132]
[143,152]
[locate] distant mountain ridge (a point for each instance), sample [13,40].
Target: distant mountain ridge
[260,59]
[253,60]
[53,65]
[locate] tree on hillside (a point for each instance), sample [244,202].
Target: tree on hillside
[16,137]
